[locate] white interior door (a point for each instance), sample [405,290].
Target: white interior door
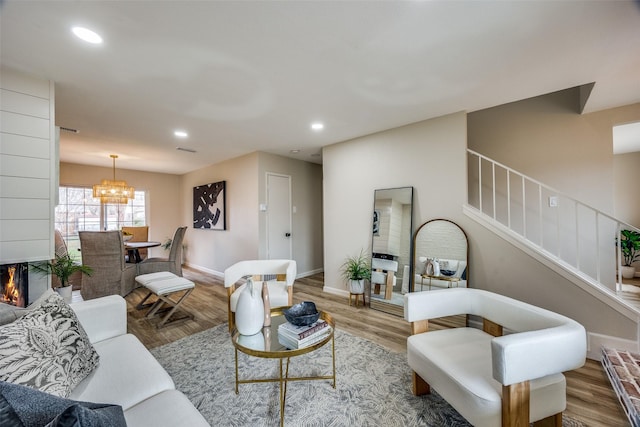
[279,238]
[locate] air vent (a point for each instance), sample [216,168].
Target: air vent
[188,150]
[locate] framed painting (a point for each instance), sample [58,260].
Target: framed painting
[209,211]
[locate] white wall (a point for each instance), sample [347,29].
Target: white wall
[27,167]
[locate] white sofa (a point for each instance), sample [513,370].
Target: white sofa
[508,372]
[128,375]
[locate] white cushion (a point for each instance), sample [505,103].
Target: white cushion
[457,364]
[170,408]
[127,374]
[278,293]
[144,279]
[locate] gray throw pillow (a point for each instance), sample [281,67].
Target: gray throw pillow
[47,349]
[22,406]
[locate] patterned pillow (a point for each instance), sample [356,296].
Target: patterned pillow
[47,349]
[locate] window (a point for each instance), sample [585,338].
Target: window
[79,211]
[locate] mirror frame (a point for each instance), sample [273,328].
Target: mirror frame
[380,303]
[414,254]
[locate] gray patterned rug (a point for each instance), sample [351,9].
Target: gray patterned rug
[373,386]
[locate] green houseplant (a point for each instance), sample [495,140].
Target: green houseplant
[62,266]
[355,270]
[630,249]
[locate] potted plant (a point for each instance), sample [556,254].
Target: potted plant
[355,270]
[630,248]
[63,266]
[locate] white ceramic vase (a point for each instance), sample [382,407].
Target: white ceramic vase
[628,272]
[65,293]
[356,286]
[249,311]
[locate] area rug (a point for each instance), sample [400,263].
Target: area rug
[373,385]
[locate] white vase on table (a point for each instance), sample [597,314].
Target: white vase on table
[249,310]
[65,293]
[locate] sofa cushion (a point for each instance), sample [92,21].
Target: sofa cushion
[127,375]
[169,408]
[26,407]
[46,349]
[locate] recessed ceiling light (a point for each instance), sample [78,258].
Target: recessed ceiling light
[294,151]
[317,126]
[87,35]
[180,134]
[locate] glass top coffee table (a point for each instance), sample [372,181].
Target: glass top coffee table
[265,344]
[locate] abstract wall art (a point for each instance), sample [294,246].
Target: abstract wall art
[209,211]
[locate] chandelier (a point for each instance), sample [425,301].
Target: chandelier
[112,191]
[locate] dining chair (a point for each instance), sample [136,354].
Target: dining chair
[173,263]
[278,273]
[61,249]
[139,234]
[103,251]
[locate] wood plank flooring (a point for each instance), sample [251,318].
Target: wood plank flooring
[590,397]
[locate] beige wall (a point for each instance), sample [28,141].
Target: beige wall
[626,177]
[306,197]
[215,250]
[430,156]
[546,139]
[244,238]
[163,195]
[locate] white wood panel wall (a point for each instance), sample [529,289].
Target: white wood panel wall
[27,167]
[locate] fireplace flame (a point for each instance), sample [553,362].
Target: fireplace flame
[11,294]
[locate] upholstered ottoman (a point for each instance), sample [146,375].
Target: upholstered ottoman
[164,285]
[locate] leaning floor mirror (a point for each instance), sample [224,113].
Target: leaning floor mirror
[391,249]
[440,256]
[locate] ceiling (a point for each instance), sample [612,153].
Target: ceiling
[242,76]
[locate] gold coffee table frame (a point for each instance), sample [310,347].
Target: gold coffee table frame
[270,348]
[449,279]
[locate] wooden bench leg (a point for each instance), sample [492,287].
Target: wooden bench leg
[420,386]
[552,421]
[176,305]
[515,405]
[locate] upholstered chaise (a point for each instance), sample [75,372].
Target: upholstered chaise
[491,378]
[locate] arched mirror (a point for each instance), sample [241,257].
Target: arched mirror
[440,256]
[391,249]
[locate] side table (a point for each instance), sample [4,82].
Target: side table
[265,344]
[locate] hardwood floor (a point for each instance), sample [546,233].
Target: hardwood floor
[590,397]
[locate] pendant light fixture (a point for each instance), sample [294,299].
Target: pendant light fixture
[112,191]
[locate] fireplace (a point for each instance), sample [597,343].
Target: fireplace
[14,284]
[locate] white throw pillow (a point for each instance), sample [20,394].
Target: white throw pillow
[47,349]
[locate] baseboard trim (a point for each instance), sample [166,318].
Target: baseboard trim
[205,270]
[595,342]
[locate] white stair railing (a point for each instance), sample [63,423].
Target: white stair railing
[573,234]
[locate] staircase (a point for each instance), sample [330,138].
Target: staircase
[574,239]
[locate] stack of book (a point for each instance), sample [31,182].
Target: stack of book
[295,337]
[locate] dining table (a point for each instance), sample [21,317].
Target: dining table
[133,249]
